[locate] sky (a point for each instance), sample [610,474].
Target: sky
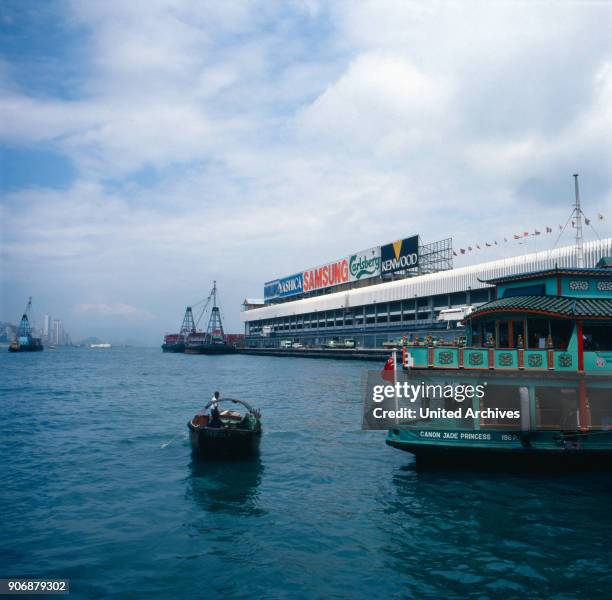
[150,147]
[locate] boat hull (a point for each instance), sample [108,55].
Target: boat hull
[523,451]
[210,349]
[224,442]
[26,348]
[178,348]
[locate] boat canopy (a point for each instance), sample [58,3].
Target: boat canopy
[233,400]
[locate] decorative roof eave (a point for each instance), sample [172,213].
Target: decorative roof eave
[533,311]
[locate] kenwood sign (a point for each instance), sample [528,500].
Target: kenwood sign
[400,255]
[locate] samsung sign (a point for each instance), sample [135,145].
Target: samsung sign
[290,286]
[400,255]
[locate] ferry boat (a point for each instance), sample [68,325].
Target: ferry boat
[213,340]
[24,340]
[544,348]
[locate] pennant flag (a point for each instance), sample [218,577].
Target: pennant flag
[496,242]
[548,229]
[469,248]
[454,253]
[573,223]
[600,216]
[536,232]
[388,370]
[462,250]
[587,221]
[525,234]
[560,227]
[488,245]
[477,246]
[517,237]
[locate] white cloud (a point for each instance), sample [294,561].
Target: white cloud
[116,309]
[278,136]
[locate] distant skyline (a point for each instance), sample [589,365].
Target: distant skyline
[149,147]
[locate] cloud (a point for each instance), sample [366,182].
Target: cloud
[116,309]
[241,142]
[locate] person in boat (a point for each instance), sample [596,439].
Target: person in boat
[215,415]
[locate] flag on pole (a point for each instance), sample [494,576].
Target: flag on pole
[525,234]
[560,227]
[548,229]
[477,246]
[462,250]
[517,237]
[454,253]
[536,232]
[388,372]
[496,242]
[600,216]
[488,245]
[469,248]
[587,221]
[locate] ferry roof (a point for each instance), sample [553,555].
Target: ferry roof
[600,272]
[551,306]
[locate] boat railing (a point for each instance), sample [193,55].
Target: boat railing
[478,358]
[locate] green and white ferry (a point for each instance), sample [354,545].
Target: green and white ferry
[543,349]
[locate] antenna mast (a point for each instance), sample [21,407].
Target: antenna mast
[578,212]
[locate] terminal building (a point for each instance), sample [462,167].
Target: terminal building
[381,294]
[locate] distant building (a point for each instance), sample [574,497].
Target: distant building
[46,326]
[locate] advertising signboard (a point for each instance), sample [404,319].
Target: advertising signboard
[333,273]
[400,255]
[271,290]
[290,286]
[364,264]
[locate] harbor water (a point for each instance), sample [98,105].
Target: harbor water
[99,486]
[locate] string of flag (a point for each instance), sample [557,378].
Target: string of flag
[520,237]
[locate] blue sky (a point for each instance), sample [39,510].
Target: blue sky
[149,147]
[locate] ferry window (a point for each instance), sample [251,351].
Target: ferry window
[537,330]
[561,332]
[600,402]
[502,397]
[597,337]
[556,408]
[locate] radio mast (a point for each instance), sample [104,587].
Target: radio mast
[578,212]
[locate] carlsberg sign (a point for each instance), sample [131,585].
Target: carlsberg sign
[364,264]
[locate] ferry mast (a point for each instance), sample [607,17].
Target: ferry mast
[579,240]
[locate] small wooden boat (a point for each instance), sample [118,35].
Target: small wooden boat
[225,433]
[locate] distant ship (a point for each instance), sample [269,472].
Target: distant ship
[24,340]
[213,341]
[100,346]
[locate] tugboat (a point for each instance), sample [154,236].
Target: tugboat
[24,341]
[544,349]
[228,433]
[213,341]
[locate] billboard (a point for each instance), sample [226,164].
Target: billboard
[290,286]
[333,273]
[400,255]
[271,290]
[364,264]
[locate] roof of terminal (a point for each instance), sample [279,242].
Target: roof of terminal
[557,306]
